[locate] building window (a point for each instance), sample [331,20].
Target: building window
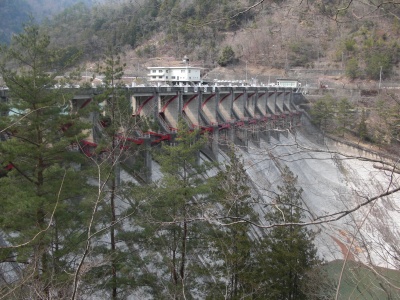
[154,77]
[166,77]
[159,71]
[173,77]
[166,71]
[189,71]
[183,71]
[159,77]
[153,71]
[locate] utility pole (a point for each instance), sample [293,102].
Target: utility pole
[380,77]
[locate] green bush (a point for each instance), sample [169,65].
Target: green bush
[322,112]
[227,56]
[378,64]
[302,53]
[352,68]
[350,45]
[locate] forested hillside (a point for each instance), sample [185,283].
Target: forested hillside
[277,34]
[361,38]
[13,13]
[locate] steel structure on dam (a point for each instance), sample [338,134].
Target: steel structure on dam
[227,111]
[228,114]
[210,108]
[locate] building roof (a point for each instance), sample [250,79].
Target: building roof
[182,67]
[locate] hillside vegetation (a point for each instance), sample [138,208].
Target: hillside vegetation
[14,13]
[280,34]
[277,34]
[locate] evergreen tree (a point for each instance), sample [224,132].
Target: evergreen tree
[171,235]
[113,130]
[388,110]
[42,196]
[114,109]
[344,115]
[322,112]
[362,127]
[352,68]
[232,246]
[378,63]
[227,56]
[287,252]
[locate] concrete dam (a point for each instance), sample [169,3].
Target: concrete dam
[353,206]
[270,131]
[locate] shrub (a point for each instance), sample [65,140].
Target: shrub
[227,56]
[352,68]
[378,64]
[302,53]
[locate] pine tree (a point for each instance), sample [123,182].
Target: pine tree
[287,252]
[227,56]
[352,68]
[322,112]
[42,196]
[172,236]
[344,115]
[113,73]
[114,127]
[231,245]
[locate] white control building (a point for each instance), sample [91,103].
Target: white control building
[174,75]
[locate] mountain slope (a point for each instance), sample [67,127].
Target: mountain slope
[14,13]
[280,34]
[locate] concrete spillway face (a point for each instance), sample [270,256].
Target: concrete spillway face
[287,102]
[254,133]
[241,138]
[225,105]
[209,106]
[170,108]
[261,105]
[145,105]
[271,103]
[273,109]
[288,110]
[191,104]
[250,97]
[275,134]
[266,134]
[239,102]
[280,98]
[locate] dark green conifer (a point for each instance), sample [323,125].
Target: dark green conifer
[287,252]
[231,249]
[41,198]
[172,215]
